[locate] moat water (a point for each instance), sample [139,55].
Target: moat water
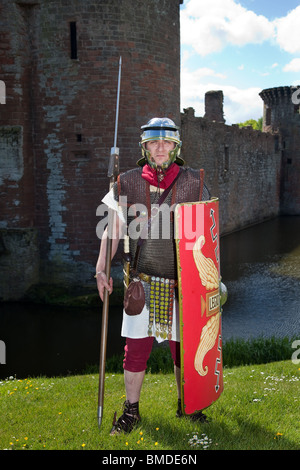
[260,268]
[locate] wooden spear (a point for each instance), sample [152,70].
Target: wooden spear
[113,171]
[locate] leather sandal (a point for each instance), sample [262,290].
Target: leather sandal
[127,420]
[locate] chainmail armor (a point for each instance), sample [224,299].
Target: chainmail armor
[158,254]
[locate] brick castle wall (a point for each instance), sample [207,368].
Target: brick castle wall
[59,61]
[242,168]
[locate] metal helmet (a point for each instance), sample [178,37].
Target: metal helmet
[160,129]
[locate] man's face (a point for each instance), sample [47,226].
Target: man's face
[159,150]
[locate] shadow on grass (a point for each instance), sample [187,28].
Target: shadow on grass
[175,433]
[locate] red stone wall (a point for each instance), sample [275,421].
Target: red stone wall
[65,108]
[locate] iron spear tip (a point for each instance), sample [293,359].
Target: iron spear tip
[99,416]
[120,61]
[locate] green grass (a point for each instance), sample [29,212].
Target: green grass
[259,409]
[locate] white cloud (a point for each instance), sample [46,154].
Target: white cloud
[287,31]
[242,104]
[293,66]
[193,86]
[202,72]
[209,26]
[239,104]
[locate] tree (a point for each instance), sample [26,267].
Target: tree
[257,125]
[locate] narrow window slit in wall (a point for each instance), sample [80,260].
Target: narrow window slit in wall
[226,158]
[73,40]
[268,116]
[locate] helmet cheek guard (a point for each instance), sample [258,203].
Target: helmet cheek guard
[174,155]
[160,129]
[146,156]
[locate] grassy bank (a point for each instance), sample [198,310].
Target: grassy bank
[235,352]
[259,409]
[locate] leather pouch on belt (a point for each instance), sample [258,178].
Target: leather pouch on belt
[134,299]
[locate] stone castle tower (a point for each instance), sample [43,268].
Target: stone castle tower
[282,118]
[59,63]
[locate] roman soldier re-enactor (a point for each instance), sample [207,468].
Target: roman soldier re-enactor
[156,266]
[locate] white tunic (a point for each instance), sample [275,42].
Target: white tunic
[137,326]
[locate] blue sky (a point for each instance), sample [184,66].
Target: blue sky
[240,47]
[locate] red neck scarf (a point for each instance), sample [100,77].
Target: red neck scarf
[150,175]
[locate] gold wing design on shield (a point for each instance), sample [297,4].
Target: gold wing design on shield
[206,267]
[210,279]
[208,338]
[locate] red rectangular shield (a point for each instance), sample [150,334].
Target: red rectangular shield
[198,261]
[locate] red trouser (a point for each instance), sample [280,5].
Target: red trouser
[137,352]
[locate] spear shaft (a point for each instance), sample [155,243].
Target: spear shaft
[113,171]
